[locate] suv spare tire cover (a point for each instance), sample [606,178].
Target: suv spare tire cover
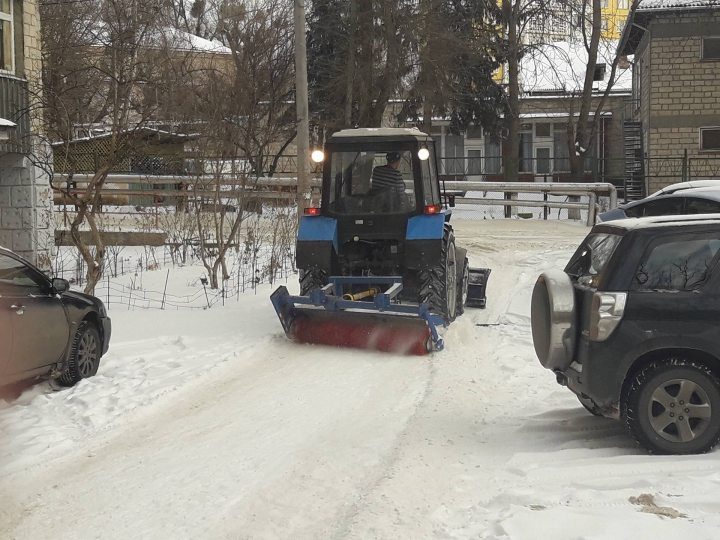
[553,319]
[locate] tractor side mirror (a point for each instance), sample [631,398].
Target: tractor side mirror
[451,201]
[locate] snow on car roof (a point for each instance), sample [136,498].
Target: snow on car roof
[664,221]
[681,186]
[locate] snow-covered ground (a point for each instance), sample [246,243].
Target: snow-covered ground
[209,424]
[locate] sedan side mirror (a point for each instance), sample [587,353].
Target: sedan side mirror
[60,285]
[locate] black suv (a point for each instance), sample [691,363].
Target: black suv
[632,326]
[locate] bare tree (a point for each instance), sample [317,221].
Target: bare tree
[520,38]
[244,117]
[582,128]
[101,61]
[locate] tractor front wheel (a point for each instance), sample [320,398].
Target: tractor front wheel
[439,285]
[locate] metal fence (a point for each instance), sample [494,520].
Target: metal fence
[495,200]
[178,165]
[652,171]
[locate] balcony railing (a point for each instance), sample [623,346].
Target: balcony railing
[15,106]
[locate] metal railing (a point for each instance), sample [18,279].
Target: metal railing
[510,190]
[15,106]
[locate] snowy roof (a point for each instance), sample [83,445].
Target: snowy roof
[671,5]
[98,35]
[380,132]
[647,9]
[6,123]
[560,67]
[139,131]
[183,41]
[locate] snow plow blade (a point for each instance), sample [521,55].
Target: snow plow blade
[327,317]
[477,286]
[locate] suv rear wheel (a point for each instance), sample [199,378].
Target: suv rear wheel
[673,407]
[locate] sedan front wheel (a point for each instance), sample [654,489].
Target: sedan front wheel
[84,356]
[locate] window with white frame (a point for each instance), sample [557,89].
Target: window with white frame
[605,25]
[623,4]
[603,3]
[620,26]
[711,48]
[710,139]
[6,36]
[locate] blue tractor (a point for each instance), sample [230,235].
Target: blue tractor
[379,266]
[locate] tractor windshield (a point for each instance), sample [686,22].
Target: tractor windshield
[372,182]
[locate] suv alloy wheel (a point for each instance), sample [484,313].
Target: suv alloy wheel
[673,407]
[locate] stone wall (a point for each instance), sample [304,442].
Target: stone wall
[26,224]
[25,209]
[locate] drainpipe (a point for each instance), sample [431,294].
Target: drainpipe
[649,104]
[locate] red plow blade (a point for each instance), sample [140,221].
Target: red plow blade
[393,334]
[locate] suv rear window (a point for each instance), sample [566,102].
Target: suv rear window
[591,258]
[678,264]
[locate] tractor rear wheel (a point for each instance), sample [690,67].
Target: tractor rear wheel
[439,285]
[312,279]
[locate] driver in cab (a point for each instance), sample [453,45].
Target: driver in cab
[389,176]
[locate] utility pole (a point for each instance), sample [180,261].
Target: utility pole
[301,105]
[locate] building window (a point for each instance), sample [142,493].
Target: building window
[620,26]
[542,130]
[605,26]
[6,36]
[493,155]
[623,4]
[560,148]
[454,154]
[710,139]
[711,48]
[603,4]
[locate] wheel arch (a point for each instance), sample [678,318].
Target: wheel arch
[695,355]
[93,317]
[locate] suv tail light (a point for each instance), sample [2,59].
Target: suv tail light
[607,312]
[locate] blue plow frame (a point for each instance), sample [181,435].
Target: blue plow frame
[330,297]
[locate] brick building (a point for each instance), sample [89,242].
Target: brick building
[25,195]
[676,83]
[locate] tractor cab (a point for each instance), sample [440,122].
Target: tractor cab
[380,172]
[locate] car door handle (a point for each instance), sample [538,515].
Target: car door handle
[18,309]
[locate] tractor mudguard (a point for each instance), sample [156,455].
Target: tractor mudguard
[423,240]
[317,238]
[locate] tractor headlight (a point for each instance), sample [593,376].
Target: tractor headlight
[318,156]
[424,154]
